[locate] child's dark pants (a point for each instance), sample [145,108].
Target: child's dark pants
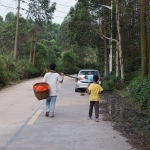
[96,106]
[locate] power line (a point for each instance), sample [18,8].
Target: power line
[61,4]
[50,2]
[23,1]
[58,16]
[7,6]
[61,12]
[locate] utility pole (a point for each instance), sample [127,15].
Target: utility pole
[16,35]
[110,55]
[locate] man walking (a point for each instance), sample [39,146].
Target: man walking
[53,79]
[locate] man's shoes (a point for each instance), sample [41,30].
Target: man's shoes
[47,114]
[97,120]
[51,116]
[89,118]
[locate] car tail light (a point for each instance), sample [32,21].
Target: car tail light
[79,78]
[100,79]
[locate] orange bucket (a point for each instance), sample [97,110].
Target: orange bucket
[41,90]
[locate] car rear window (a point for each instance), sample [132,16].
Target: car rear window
[89,73]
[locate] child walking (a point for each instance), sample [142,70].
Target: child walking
[94,90]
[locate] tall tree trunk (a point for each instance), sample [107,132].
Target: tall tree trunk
[149,52]
[34,48]
[30,57]
[106,64]
[117,65]
[120,41]
[143,38]
[148,37]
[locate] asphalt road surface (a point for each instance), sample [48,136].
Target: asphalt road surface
[23,125]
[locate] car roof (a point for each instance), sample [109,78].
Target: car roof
[88,70]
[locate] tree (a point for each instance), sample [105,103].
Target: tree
[9,17]
[1,20]
[82,30]
[41,56]
[120,41]
[41,11]
[70,60]
[143,38]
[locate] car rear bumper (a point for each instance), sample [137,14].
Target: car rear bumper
[81,85]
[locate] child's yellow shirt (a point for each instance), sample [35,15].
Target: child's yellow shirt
[95,89]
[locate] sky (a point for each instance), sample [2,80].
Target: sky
[62,8]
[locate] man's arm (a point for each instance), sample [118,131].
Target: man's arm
[62,75]
[44,78]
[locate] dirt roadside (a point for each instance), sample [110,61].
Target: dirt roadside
[127,119]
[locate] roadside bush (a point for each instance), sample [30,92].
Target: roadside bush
[118,85]
[11,67]
[139,89]
[13,76]
[32,72]
[3,72]
[107,84]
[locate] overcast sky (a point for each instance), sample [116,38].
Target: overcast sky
[62,8]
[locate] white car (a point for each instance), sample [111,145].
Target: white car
[81,82]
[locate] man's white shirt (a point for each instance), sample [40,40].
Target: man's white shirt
[53,79]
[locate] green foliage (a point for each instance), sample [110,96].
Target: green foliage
[12,68]
[50,31]
[81,25]
[32,72]
[118,85]
[25,70]
[60,66]
[3,72]
[7,35]
[41,11]
[70,61]
[63,38]
[41,56]
[112,84]
[107,84]
[1,20]
[139,89]
[9,17]
[53,42]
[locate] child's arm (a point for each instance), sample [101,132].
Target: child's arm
[100,90]
[88,91]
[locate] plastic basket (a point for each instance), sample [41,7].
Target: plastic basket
[41,90]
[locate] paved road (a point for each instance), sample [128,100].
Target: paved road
[23,125]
